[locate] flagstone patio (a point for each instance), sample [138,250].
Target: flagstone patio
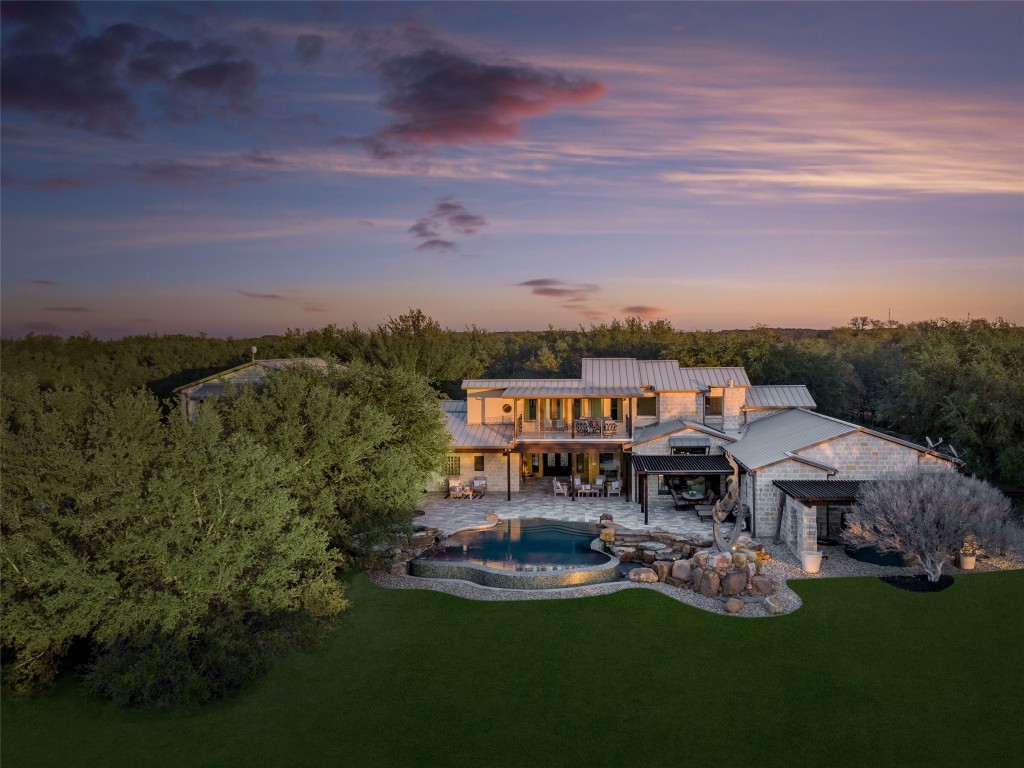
[536,500]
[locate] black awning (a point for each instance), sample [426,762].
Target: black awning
[681,465]
[821,491]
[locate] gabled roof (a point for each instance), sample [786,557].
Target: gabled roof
[776,437]
[251,372]
[780,396]
[717,377]
[654,431]
[783,435]
[580,391]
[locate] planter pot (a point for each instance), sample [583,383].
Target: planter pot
[810,561]
[967,562]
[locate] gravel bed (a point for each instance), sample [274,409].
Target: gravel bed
[470,591]
[783,566]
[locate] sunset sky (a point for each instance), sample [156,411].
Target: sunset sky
[243,168]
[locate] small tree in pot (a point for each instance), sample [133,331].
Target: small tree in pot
[927,515]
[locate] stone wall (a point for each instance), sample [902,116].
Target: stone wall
[494,471]
[678,405]
[766,505]
[800,529]
[732,419]
[862,456]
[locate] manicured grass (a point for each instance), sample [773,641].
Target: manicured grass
[862,675]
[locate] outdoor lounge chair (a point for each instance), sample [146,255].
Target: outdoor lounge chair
[455,489]
[599,484]
[479,485]
[559,488]
[615,488]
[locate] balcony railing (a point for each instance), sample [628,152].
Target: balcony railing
[597,428]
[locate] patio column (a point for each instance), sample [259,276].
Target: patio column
[627,476]
[572,468]
[643,498]
[508,475]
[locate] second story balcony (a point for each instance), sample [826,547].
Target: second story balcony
[587,428]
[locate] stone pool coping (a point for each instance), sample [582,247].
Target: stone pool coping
[487,576]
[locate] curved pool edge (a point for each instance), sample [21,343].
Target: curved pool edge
[486,576]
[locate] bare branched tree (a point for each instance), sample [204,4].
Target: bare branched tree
[928,515]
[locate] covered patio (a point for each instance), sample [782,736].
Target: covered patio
[681,465]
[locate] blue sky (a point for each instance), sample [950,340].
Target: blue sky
[243,168]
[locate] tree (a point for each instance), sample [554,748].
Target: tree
[171,551]
[928,515]
[365,440]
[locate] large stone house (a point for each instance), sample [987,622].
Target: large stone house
[652,423]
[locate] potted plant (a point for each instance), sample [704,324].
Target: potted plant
[969,553]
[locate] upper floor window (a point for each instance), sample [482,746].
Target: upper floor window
[713,406]
[616,408]
[647,406]
[596,407]
[531,410]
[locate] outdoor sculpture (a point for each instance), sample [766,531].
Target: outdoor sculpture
[727,504]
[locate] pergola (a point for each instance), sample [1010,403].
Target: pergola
[677,465]
[820,493]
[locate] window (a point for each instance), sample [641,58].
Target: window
[577,408]
[478,463]
[453,465]
[616,412]
[690,450]
[647,406]
[531,409]
[596,407]
[555,408]
[506,408]
[713,405]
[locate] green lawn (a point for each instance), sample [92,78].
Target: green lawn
[862,675]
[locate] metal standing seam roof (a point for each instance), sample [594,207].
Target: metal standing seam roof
[780,396]
[611,372]
[682,465]
[818,491]
[661,375]
[654,431]
[774,438]
[476,435]
[688,441]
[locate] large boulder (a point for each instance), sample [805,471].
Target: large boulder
[762,585]
[774,607]
[399,569]
[681,569]
[662,567]
[607,534]
[605,516]
[710,584]
[734,583]
[701,558]
[647,556]
[643,576]
[732,605]
[720,560]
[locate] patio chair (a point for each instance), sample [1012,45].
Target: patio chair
[615,488]
[561,426]
[455,489]
[480,485]
[599,484]
[559,488]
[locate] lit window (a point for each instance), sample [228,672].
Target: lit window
[647,406]
[478,463]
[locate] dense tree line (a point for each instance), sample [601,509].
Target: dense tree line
[959,380]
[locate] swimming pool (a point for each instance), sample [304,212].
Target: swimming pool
[521,553]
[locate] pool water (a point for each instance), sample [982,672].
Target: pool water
[523,545]
[531,553]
